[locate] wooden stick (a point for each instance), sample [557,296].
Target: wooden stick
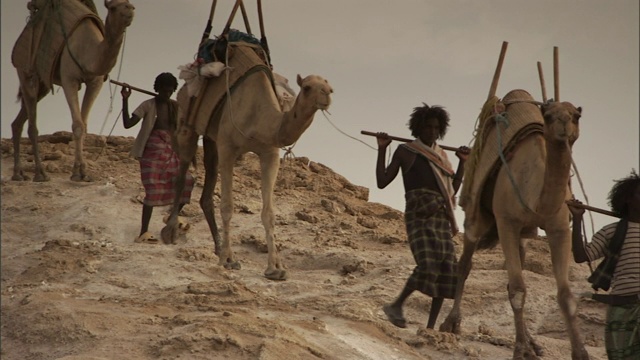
[556,75]
[542,86]
[134,88]
[208,27]
[371,133]
[245,17]
[591,208]
[231,16]
[496,75]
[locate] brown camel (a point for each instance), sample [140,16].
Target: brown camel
[251,121]
[529,192]
[86,57]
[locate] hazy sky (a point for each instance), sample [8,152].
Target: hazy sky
[385,57]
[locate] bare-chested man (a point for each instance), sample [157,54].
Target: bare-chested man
[159,164]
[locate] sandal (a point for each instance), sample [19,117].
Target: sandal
[146,238]
[182,222]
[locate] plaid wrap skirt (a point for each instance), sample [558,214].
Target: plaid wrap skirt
[429,232]
[622,332]
[159,167]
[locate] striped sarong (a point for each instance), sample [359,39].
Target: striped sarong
[429,232]
[622,333]
[159,167]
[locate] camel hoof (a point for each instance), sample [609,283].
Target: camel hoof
[451,326]
[41,178]
[235,265]
[276,274]
[523,352]
[19,177]
[169,234]
[81,178]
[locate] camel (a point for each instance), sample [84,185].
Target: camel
[87,57]
[529,192]
[250,121]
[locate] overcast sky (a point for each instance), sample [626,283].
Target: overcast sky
[385,57]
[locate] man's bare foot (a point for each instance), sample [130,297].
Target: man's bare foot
[394,314]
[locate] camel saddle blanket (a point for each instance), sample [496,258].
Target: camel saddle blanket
[243,61]
[523,118]
[39,46]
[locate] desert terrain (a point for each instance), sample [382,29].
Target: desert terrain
[76,286]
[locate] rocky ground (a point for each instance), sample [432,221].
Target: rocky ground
[74,284]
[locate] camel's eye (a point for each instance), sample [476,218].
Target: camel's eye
[306,88]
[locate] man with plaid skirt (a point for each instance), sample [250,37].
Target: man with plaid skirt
[430,185]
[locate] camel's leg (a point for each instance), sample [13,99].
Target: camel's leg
[452,322]
[92,90]
[560,246]
[509,235]
[187,145]
[210,179]
[16,129]
[269,165]
[78,127]
[31,93]
[226,160]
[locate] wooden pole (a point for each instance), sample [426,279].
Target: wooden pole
[556,75]
[371,133]
[542,86]
[207,29]
[231,16]
[591,208]
[245,17]
[496,74]
[134,88]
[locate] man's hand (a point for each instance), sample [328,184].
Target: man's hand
[463,153]
[126,91]
[575,210]
[383,140]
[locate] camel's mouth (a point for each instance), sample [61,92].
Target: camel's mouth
[322,106]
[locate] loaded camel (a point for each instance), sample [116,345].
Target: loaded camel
[88,55]
[527,192]
[250,121]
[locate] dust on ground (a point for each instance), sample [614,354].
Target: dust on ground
[76,286]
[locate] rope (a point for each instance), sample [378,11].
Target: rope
[111,92]
[344,133]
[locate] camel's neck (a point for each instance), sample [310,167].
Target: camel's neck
[107,50]
[556,178]
[295,122]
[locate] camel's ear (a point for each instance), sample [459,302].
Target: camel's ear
[299,80]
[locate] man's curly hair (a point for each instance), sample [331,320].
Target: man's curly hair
[421,114]
[165,79]
[622,192]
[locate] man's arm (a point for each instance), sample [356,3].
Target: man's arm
[577,247]
[384,174]
[127,120]
[462,153]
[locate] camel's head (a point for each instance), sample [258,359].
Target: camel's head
[561,120]
[315,90]
[120,13]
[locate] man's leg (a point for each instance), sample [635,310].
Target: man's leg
[147,210]
[436,304]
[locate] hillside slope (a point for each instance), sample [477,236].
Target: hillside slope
[75,286]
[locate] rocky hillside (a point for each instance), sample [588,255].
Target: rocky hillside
[74,284]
